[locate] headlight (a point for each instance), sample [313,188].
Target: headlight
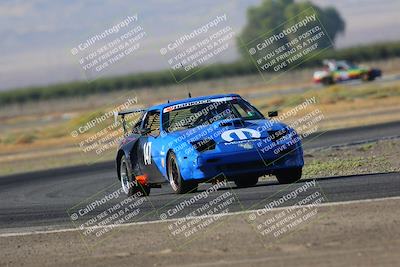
[204,145]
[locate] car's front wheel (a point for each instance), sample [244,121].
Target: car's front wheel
[288,176]
[327,80]
[179,185]
[129,184]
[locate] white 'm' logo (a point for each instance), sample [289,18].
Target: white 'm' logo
[227,136]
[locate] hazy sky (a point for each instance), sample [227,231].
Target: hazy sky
[37,35]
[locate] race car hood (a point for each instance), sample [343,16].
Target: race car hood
[232,130]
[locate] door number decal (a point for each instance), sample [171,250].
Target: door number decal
[147,153]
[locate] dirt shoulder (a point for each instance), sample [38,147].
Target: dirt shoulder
[372,157]
[352,234]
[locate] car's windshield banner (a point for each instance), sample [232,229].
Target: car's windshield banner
[199,102]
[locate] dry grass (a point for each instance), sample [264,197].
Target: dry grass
[374,157]
[39,133]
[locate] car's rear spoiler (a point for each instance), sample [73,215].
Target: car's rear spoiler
[122,113]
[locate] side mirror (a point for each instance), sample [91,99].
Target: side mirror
[272,114]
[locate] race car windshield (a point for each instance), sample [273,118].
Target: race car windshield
[345,65]
[190,116]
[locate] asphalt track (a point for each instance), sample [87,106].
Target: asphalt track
[44,199]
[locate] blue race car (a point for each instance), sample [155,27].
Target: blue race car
[205,139]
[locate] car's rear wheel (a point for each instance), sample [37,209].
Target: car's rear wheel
[179,185]
[128,181]
[246,181]
[288,176]
[367,77]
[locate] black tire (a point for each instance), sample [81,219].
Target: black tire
[246,181]
[327,81]
[288,176]
[177,183]
[128,177]
[367,77]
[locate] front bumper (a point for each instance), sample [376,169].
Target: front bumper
[245,161]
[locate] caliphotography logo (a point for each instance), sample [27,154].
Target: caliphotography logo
[199,133]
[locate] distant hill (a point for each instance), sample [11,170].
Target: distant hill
[37,35]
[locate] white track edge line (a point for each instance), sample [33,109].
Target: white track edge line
[206,216]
